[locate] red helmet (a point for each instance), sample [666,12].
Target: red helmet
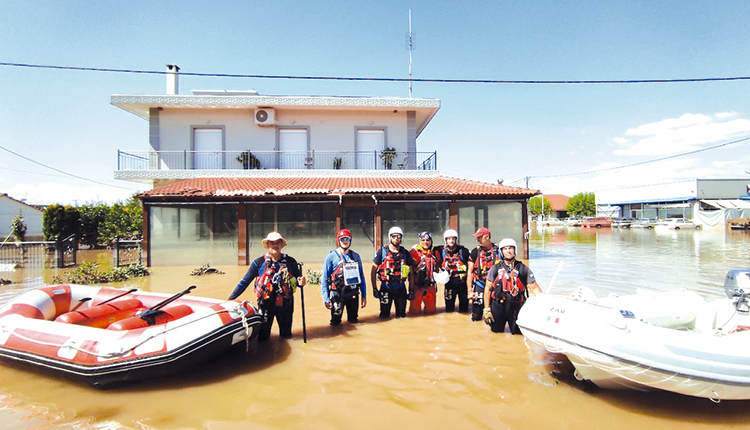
[344,232]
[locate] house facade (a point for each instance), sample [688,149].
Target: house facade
[559,204]
[33,217]
[228,167]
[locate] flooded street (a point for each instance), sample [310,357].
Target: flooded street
[440,371]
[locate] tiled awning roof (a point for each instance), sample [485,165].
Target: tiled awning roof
[283,186]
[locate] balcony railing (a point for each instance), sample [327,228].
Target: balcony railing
[245,160]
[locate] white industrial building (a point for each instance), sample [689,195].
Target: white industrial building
[708,202]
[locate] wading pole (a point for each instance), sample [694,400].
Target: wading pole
[302,297]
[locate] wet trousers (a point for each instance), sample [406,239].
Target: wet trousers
[283,315]
[426,295]
[350,303]
[390,295]
[456,288]
[505,312]
[477,305]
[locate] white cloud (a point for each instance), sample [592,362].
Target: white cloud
[687,133]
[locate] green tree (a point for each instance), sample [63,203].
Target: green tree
[535,206]
[61,222]
[93,217]
[18,227]
[582,204]
[122,221]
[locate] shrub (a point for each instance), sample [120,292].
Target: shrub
[89,273]
[313,276]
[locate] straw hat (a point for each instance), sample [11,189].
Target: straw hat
[273,237]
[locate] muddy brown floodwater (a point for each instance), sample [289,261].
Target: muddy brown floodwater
[438,371]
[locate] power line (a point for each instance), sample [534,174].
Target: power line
[373,79]
[64,173]
[639,163]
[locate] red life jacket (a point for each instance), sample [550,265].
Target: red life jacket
[486,258]
[336,280]
[426,265]
[273,283]
[507,282]
[453,264]
[391,269]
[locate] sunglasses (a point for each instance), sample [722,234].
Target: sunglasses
[345,239]
[396,235]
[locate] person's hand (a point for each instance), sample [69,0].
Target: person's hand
[328,305]
[376,293]
[364,301]
[411,295]
[487,316]
[302,280]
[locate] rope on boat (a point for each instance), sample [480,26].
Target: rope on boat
[247,330]
[716,398]
[124,352]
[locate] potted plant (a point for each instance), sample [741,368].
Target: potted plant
[248,160]
[387,155]
[337,163]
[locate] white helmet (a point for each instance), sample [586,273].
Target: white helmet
[395,230]
[507,242]
[442,277]
[450,233]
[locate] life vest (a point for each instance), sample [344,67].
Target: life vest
[425,266]
[486,258]
[275,283]
[336,280]
[453,264]
[392,269]
[508,285]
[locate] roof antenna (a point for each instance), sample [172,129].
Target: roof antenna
[410,47]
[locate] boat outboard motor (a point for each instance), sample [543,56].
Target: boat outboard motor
[737,287]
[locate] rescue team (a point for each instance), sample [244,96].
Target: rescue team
[489,276]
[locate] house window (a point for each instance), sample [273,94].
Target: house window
[502,218]
[193,235]
[369,144]
[414,218]
[309,228]
[208,147]
[293,145]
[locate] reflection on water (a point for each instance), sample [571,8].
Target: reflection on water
[434,371]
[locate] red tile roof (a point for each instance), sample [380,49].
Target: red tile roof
[558,201]
[226,188]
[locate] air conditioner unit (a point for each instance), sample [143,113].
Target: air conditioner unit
[266,116]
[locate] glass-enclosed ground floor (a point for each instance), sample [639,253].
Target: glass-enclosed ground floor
[217,233]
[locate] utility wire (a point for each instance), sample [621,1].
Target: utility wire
[373,79]
[64,173]
[641,162]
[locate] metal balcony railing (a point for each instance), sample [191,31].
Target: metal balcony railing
[245,160]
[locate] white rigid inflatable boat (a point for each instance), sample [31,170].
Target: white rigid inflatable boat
[107,336]
[674,341]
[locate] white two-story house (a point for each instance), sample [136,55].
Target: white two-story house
[227,167]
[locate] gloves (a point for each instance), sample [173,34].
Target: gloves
[376,293]
[411,295]
[487,316]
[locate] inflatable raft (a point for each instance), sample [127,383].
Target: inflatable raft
[674,340]
[108,336]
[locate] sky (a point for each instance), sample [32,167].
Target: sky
[61,134]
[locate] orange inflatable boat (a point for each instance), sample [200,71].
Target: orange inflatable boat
[109,336]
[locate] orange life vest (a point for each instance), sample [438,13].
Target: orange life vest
[486,258]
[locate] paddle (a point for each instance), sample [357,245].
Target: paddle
[150,314]
[302,297]
[132,290]
[80,302]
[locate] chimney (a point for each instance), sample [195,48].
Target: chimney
[173,84]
